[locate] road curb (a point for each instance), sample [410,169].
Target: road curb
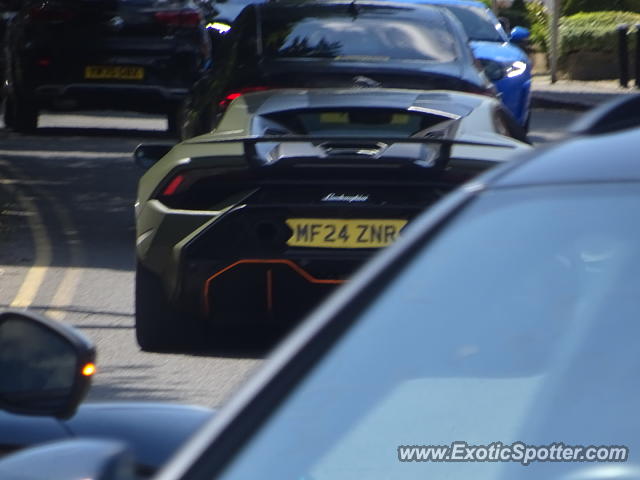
[541,101]
[569,100]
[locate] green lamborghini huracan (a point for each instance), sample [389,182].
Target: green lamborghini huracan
[251,225]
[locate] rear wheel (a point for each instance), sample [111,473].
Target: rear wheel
[527,122]
[191,122]
[159,326]
[174,120]
[20,113]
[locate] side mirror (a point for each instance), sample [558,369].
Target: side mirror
[45,367]
[66,459]
[147,156]
[520,34]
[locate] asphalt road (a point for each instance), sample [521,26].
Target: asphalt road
[67,250]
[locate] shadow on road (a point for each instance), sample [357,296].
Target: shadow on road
[248,345]
[83,183]
[127,385]
[237,344]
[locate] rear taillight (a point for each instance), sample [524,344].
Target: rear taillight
[173,186]
[203,189]
[179,18]
[47,14]
[231,96]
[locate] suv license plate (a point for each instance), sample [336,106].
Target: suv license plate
[113,72]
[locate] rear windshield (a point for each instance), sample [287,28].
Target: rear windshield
[358,37]
[478,23]
[126,3]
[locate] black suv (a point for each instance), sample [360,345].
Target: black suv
[334,44]
[140,55]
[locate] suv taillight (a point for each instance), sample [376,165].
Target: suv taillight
[229,97]
[179,18]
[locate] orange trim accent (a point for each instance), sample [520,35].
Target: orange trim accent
[270,290]
[277,261]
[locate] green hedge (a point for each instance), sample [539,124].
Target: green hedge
[571,7]
[594,31]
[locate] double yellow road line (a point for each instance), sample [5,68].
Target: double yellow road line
[35,277]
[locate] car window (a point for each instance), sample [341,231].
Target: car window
[479,24]
[228,10]
[515,323]
[128,3]
[330,34]
[234,2]
[239,45]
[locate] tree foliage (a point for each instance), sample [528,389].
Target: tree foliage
[539,21]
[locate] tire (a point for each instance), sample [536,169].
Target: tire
[159,326]
[527,122]
[192,122]
[20,113]
[174,120]
[9,121]
[189,127]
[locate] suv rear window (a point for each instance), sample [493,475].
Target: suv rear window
[358,37]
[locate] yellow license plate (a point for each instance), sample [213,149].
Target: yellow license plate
[342,233]
[113,72]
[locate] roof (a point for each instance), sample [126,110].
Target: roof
[462,3]
[425,9]
[458,103]
[583,159]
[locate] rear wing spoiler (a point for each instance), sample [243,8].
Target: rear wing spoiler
[350,150]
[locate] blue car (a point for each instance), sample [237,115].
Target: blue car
[506,64]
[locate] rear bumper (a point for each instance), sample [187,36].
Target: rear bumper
[220,269]
[58,80]
[152,98]
[241,269]
[274,292]
[239,266]
[258,292]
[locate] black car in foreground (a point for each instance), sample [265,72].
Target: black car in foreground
[140,55]
[154,431]
[334,44]
[46,369]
